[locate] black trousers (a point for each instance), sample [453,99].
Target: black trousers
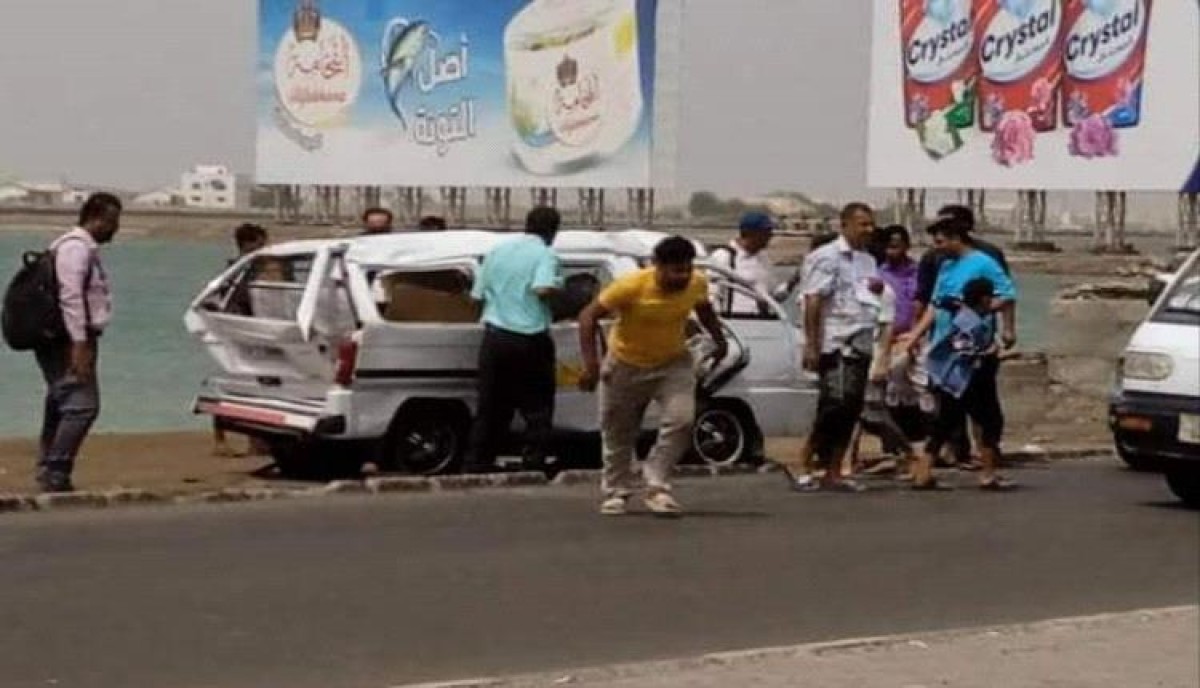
[980,402]
[840,404]
[516,373]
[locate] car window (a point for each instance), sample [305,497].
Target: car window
[1182,302]
[582,283]
[428,296]
[265,287]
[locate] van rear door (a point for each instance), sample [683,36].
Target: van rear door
[274,321]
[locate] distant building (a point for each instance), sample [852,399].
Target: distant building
[163,198]
[209,186]
[74,197]
[13,193]
[45,193]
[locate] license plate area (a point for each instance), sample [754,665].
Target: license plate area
[1189,429]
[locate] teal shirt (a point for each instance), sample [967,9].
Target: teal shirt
[507,281]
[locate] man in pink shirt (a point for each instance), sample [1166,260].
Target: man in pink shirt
[69,365]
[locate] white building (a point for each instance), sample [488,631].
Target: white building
[74,197]
[163,198]
[209,186]
[13,193]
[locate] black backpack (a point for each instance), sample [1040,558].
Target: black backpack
[31,317]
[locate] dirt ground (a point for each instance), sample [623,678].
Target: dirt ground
[183,463]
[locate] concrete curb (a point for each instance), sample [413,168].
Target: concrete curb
[731,660]
[385,486]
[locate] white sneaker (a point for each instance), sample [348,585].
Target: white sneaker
[613,506]
[663,504]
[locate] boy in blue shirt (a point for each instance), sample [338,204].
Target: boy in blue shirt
[964,382]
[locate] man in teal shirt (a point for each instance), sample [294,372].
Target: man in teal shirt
[516,358]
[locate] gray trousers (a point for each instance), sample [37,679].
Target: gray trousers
[71,408]
[625,393]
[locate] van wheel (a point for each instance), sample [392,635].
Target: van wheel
[725,434]
[1139,462]
[426,440]
[1185,483]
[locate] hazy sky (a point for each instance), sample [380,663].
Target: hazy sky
[131,92]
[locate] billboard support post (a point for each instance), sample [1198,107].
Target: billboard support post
[498,202]
[641,207]
[1188,234]
[1110,222]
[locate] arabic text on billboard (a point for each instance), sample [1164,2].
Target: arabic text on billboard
[456,92]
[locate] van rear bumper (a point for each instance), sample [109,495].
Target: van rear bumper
[265,417]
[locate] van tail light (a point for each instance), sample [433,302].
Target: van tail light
[347,359]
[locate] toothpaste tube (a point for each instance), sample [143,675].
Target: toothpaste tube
[1019,57]
[940,72]
[1105,59]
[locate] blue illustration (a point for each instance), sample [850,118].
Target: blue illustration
[1101,7]
[403,45]
[941,11]
[1018,8]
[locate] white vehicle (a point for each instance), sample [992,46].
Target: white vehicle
[1155,409]
[374,342]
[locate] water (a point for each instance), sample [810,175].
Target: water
[150,367]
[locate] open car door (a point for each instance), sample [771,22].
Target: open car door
[273,322]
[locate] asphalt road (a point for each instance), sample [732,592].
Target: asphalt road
[349,593]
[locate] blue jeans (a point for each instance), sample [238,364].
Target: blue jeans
[71,408]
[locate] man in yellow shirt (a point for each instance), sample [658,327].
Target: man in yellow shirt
[648,360]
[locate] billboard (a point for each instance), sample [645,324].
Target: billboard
[1036,94]
[456,92]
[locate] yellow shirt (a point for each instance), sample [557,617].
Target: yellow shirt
[651,325]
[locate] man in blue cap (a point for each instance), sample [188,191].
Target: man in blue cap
[745,256]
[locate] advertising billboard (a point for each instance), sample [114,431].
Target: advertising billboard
[1036,94]
[456,92]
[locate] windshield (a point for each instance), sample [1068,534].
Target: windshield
[1183,298]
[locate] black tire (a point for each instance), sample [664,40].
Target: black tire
[426,440]
[1143,463]
[725,435]
[1185,483]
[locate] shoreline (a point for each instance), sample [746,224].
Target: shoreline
[1074,260]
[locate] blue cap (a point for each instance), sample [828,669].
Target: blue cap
[757,222]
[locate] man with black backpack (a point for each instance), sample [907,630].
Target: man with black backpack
[58,307]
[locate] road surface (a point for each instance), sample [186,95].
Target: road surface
[355,592]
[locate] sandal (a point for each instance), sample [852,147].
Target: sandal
[846,486]
[998,484]
[932,486]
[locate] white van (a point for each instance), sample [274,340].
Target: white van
[373,342]
[1155,409]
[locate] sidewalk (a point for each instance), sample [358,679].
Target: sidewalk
[1158,648]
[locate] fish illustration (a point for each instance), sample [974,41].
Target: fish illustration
[403,44]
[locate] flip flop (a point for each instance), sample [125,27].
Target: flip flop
[998,485]
[846,486]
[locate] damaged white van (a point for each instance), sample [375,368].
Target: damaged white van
[366,349]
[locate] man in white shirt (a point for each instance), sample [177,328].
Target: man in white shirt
[841,311]
[745,256]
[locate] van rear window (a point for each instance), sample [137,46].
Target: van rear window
[436,296]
